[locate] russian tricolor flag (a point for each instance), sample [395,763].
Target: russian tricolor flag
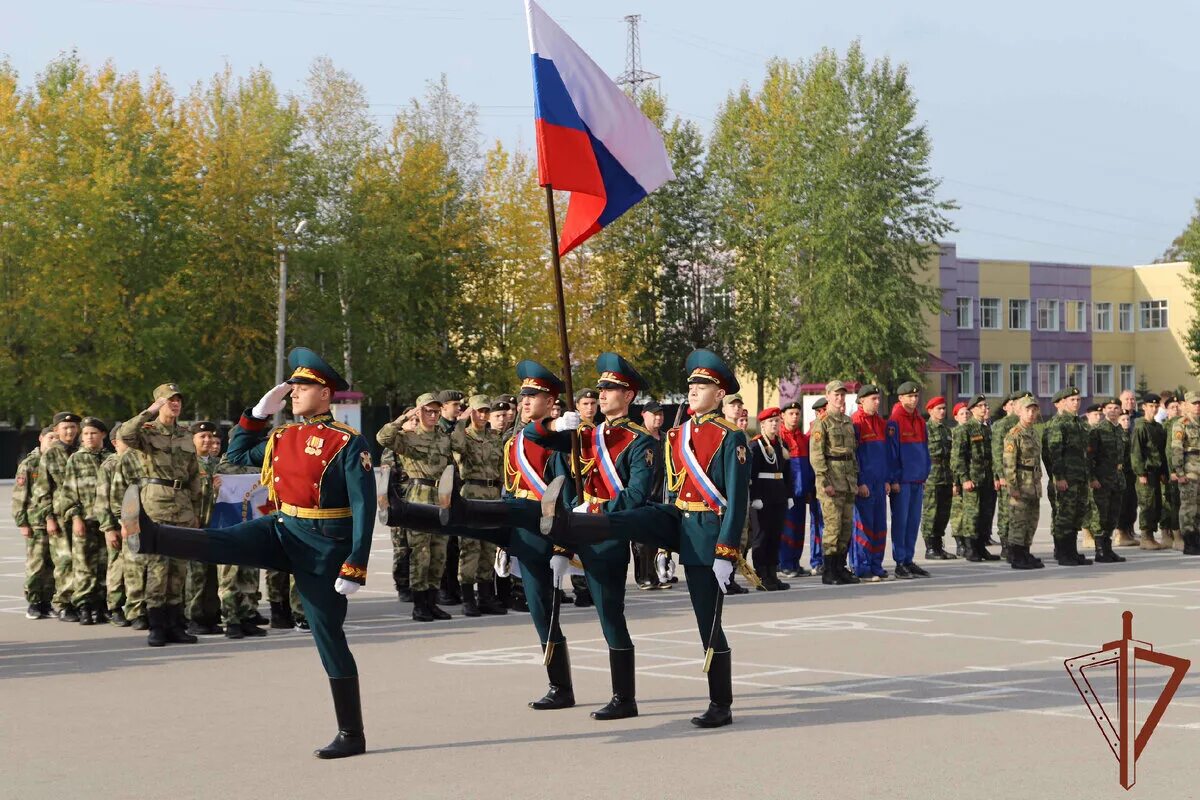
[592,139]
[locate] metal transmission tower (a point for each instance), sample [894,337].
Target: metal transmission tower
[634,76]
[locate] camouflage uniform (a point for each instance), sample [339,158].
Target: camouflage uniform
[107,516]
[29,507]
[200,602]
[478,454]
[126,473]
[50,477]
[399,537]
[76,499]
[1021,465]
[832,445]
[1170,492]
[999,431]
[936,506]
[1065,446]
[1185,461]
[971,460]
[167,457]
[1148,461]
[423,455]
[1108,467]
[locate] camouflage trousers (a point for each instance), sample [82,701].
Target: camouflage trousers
[1002,510]
[1189,505]
[1022,519]
[165,578]
[978,509]
[1149,497]
[476,560]
[281,588]
[1107,502]
[1170,506]
[838,513]
[426,560]
[1069,509]
[935,512]
[39,568]
[236,589]
[956,513]
[64,575]
[200,602]
[399,548]
[114,578]
[1091,514]
[87,564]
[135,585]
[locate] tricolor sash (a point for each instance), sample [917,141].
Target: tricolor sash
[536,484]
[608,466]
[704,484]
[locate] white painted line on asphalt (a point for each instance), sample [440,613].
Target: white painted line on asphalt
[885,616]
[987,669]
[955,611]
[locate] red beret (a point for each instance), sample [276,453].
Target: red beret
[959,407]
[935,402]
[767,413]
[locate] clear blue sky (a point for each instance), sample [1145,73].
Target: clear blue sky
[1066,131]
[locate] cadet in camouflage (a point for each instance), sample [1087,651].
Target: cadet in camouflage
[939,487]
[1147,457]
[477,450]
[1021,469]
[50,476]
[1185,460]
[29,510]
[75,505]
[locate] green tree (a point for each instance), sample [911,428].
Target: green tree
[1186,247]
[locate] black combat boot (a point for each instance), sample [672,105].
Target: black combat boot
[233,630]
[1072,543]
[847,575]
[489,603]
[960,547]
[1104,551]
[249,629]
[140,623]
[561,693]
[981,547]
[421,611]
[1191,544]
[1062,553]
[829,575]
[720,692]
[432,607]
[470,608]
[1020,557]
[1004,551]
[117,618]
[176,631]
[347,706]
[157,619]
[583,595]
[281,616]
[516,595]
[624,702]
[400,574]
[68,613]
[86,615]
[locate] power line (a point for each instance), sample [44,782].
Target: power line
[1057,203]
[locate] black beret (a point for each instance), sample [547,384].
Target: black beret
[94,422]
[1094,407]
[203,426]
[909,387]
[449,396]
[867,389]
[820,402]
[796,404]
[65,416]
[976,400]
[590,394]
[652,407]
[1065,392]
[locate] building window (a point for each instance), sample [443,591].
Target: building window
[1018,315]
[1077,377]
[965,322]
[1125,317]
[989,313]
[1127,378]
[966,379]
[1102,380]
[1104,317]
[1152,315]
[1076,318]
[1047,379]
[989,377]
[1018,377]
[1047,311]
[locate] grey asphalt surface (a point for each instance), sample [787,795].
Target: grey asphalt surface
[951,687]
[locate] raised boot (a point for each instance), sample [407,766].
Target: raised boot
[143,535]
[720,693]
[454,509]
[347,706]
[562,525]
[1148,542]
[623,703]
[489,603]
[470,608]
[561,693]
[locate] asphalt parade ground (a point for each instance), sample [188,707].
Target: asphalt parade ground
[949,687]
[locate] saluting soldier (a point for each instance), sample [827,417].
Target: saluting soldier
[476,449]
[971,461]
[75,505]
[707,474]
[1021,468]
[51,475]
[939,486]
[30,507]
[1185,460]
[322,483]
[831,449]
[1148,459]
[171,492]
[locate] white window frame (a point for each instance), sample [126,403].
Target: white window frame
[1131,385]
[1015,304]
[1105,390]
[1056,306]
[1146,307]
[1026,382]
[966,388]
[1075,316]
[966,304]
[1054,386]
[983,317]
[998,369]
[1081,384]
[1125,317]
[1105,308]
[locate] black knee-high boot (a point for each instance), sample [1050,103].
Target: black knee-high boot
[347,706]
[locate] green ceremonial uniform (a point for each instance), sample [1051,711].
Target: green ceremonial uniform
[971,460]
[1147,457]
[1065,448]
[76,499]
[51,475]
[936,505]
[1021,466]
[29,508]
[478,454]
[999,430]
[831,451]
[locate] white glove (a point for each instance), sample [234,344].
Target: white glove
[272,401]
[661,560]
[724,571]
[343,586]
[791,502]
[756,505]
[569,421]
[582,508]
[501,565]
[558,566]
